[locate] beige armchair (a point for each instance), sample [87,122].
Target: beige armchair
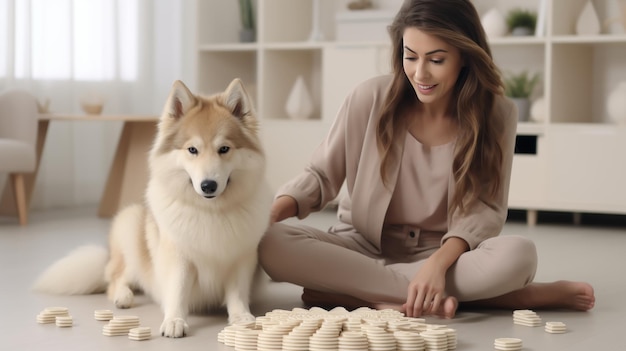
[18,136]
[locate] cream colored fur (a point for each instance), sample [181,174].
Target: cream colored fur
[193,245]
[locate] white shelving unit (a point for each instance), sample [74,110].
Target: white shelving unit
[578,163]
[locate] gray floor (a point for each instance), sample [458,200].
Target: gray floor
[593,253]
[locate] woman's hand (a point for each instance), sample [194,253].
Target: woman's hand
[427,289]
[283,208]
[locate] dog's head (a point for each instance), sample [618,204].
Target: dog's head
[210,142]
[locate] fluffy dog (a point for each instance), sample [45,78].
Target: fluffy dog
[193,245]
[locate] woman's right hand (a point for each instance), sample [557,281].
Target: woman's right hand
[283,208]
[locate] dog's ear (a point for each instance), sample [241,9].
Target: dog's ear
[237,99]
[180,100]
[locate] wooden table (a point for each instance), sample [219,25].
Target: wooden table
[128,174]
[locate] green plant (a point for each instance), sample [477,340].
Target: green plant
[246,14]
[521,18]
[520,85]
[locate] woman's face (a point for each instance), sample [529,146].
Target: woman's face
[431,65]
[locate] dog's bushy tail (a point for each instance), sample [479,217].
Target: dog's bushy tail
[80,272]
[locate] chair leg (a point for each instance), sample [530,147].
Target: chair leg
[19,191]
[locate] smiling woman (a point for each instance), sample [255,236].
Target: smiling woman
[426,155]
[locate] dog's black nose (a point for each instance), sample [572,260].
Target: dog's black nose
[208,186]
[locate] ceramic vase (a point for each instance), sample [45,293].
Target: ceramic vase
[523,108]
[616,104]
[316,31]
[494,23]
[616,24]
[247,36]
[299,103]
[538,110]
[588,22]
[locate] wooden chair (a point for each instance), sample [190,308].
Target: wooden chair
[18,136]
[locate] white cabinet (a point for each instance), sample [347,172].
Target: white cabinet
[578,158]
[587,169]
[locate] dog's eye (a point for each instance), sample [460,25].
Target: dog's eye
[223,150]
[192,150]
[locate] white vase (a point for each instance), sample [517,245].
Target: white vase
[538,112]
[616,104]
[299,103]
[588,22]
[316,32]
[523,108]
[617,23]
[494,23]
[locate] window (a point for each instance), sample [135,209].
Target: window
[85,40]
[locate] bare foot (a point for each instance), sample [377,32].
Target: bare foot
[450,304]
[564,294]
[577,296]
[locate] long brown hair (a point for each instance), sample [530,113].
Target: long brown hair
[477,164]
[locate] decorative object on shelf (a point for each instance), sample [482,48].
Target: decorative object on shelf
[92,103]
[316,31]
[588,22]
[540,28]
[519,87]
[521,22]
[494,23]
[538,110]
[616,104]
[363,25]
[43,107]
[299,103]
[359,5]
[247,34]
[616,25]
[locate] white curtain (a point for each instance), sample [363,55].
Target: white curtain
[65,51]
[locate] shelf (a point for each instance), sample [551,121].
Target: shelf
[577,74]
[525,40]
[530,128]
[589,39]
[228,47]
[590,128]
[360,44]
[298,45]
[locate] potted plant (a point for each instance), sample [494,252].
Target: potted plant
[519,87]
[521,22]
[248,31]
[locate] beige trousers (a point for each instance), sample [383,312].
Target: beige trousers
[342,261]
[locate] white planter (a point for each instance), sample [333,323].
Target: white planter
[494,23]
[523,108]
[538,111]
[616,104]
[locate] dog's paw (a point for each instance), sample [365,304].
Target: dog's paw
[241,318]
[174,328]
[124,298]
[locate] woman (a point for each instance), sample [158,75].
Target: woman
[426,156]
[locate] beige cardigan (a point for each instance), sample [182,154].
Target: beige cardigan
[349,153]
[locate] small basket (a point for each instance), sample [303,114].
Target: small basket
[92,109]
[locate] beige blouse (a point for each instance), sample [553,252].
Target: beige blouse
[420,198]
